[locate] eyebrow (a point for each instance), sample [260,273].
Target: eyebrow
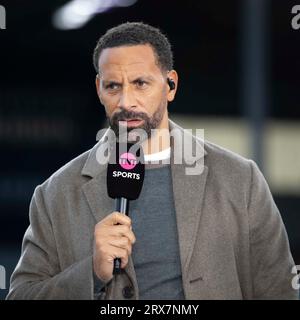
[147,78]
[106,82]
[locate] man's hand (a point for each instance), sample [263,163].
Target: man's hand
[113,238]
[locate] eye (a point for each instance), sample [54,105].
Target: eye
[141,83]
[112,86]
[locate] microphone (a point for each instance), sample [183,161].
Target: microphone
[125,177]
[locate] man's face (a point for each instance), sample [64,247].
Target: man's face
[133,89]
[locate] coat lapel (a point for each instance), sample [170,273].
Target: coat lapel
[188,192]
[95,190]
[188,198]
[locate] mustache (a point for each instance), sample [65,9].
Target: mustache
[127,115]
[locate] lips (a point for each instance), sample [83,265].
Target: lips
[131,122]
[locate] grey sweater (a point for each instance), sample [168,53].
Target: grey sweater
[156,252]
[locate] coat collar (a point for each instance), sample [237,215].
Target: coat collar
[97,162]
[188,193]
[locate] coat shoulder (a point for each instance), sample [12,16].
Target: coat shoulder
[228,169]
[68,176]
[225,159]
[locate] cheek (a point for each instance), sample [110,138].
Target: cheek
[109,103]
[151,100]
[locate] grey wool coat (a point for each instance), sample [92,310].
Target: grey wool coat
[232,241]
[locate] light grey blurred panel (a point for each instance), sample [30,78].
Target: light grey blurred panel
[2,277]
[2,17]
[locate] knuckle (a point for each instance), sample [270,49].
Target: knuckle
[98,243]
[113,216]
[133,239]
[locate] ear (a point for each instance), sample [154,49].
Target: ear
[98,88]
[171,93]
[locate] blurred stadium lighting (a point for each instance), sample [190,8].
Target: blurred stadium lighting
[76,13]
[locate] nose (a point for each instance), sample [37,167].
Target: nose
[127,99]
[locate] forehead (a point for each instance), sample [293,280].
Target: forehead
[128,58]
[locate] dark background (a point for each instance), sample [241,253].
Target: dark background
[49,110]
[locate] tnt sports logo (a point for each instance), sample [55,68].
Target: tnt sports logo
[127,161]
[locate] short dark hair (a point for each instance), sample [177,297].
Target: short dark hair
[136,33]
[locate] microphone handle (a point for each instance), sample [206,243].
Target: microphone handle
[122,205]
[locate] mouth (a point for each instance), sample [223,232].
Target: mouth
[131,122]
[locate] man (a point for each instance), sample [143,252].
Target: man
[212,235]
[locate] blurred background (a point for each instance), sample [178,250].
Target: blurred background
[238,64]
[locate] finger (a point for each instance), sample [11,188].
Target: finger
[121,230]
[123,263]
[130,235]
[121,254]
[123,243]
[117,217]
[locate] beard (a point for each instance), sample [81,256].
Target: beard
[141,132]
